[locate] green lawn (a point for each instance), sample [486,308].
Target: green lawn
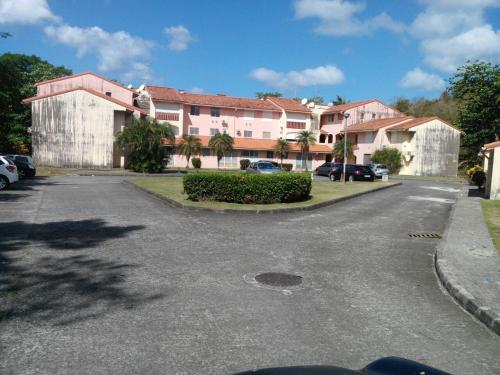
[491,211]
[171,187]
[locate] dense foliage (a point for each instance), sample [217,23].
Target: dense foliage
[305,140]
[196,163]
[221,143]
[286,167]
[476,176]
[264,95]
[18,75]
[189,145]
[281,149]
[143,143]
[247,187]
[389,156]
[338,150]
[444,107]
[244,164]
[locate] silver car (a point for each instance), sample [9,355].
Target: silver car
[380,170]
[263,167]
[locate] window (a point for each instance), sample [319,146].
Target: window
[195,110]
[249,154]
[215,112]
[205,152]
[330,138]
[214,131]
[331,118]
[108,93]
[270,154]
[267,116]
[299,164]
[266,135]
[373,115]
[355,139]
[194,131]
[247,134]
[248,115]
[368,137]
[322,138]
[229,159]
[340,117]
[362,115]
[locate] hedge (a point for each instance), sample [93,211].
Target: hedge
[196,162]
[247,187]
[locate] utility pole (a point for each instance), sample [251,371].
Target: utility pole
[346,116]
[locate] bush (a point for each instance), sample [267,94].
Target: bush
[287,167]
[389,156]
[196,163]
[246,187]
[244,164]
[477,176]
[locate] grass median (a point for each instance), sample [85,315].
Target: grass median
[322,191]
[491,212]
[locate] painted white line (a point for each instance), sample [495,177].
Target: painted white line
[440,188]
[431,199]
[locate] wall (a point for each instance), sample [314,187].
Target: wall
[174,108]
[73,130]
[492,166]
[364,113]
[88,81]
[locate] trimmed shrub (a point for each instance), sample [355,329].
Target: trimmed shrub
[196,163]
[247,187]
[389,156]
[244,164]
[287,167]
[477,176]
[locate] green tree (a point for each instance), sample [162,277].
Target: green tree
[338,150]
[305,140]
[339,100]
[221,143]
[389,156]
[189,145]
[281,148]
[476,88]
[317,99]
[18,75]
[264,95]
[143,143]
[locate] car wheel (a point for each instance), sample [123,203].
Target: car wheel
[21,173]
[331,177]
[351,178]
[4,183]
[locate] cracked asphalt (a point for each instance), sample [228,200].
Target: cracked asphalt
[98,278]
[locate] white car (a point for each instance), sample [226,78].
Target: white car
[380,170]
[8,172]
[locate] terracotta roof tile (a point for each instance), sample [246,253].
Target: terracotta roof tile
[345,107]
[492,145]
[290,105]
[374,125]
[419,121]
[166,94]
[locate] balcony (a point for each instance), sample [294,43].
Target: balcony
[166,116]
[295,125]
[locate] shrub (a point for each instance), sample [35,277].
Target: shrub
[389,156]
[246,187]
[287,167]
[196,163]
[477,176]
[244,164]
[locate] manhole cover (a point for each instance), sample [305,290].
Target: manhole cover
[424,235]
[278,279]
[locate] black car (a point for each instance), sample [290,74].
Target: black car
[24,164]
[353,172]
[328,169]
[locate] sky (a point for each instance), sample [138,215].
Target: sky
[302,48]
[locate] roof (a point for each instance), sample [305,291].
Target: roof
[83,74]
[419,121]
[263,145]
[290,105]
[375,125]
[90,91]
[492,145]
[169,94]
[347,106]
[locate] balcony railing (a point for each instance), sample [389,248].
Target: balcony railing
[295,125]
[166,116]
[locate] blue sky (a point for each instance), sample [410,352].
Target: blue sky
[357,49]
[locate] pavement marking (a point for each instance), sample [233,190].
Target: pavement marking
[430,199]
[440,188]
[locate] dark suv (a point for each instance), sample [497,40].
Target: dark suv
[353,172]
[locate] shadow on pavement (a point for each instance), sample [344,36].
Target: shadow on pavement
[62,288]
[476,192]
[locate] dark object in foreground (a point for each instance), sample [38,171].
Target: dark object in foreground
[382,366]
[353,172]
[24,164]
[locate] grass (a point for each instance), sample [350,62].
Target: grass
[171,187]
[491,212]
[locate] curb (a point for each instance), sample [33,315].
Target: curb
[315,206]
[483,313]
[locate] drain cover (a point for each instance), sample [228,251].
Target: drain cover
[278,279]
[425,235]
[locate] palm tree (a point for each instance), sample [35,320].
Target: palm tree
[340,100]
[304,140]
[281,148]
[221,143]
[338,150]
[189,145]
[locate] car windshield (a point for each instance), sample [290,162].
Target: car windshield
[381,166]
[266,166]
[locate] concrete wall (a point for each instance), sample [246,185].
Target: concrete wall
[75,129]
[492,167]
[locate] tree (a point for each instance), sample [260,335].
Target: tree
[221,143]
[476,89]
[389,156]
[281,148]
[305,140]
[339,100]
[143,143]
[189,145]
[443,107]
[338,150]
[264,95]
[18,75]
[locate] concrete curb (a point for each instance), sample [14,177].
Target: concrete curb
[315,206]
[465,299]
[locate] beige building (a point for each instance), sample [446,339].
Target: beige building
[491,153]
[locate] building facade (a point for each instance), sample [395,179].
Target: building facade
[491,153]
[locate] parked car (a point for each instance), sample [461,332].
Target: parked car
[277,165]
[24,164]
[379,170]
[8,172]
[353,172]
[328,169]
[263,167]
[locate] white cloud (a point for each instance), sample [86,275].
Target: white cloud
[118,53]
[179,37]
[197,90]
[338,17]
[454,31]
[25,11]
[420,80]
[321,75]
